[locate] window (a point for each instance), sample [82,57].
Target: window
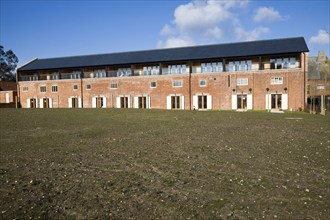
[42,88]
[272,64]
[75,87]
[292,62]
[243,65]
[122,72]
[123,102]
[54,89]
[202,82]
[177,69]
[202,102]
[320,87]
[279,63]
[99,73]
[177,83]
[113,86]
[242,81]
[99,102]
[25,89]
[55,75]
[175,102]
[150,70]
[88,86]
[153,84]
[75,75]
[142,102]
[277,80]
[211,67]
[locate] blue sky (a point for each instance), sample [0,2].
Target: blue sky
[45,29]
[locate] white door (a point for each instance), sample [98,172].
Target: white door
[249,102]
[7,98]
[234,102]
[209,102]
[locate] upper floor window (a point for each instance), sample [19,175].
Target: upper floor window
[277,80]
[75,87]
[202,83]
[177,83]
[124,72]
[177,69]
[242,81]
[88,86]
[25,89]
[75,75]
[55,75]
[42,88]
[54,88]
[113,86]
[320,87]
[243,65]
[153,84]
[150,70]
[283,63]
[99,73]
[211,67]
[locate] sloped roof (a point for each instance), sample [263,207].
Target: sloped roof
[242,49]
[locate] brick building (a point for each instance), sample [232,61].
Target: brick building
[8,94]
[269,74]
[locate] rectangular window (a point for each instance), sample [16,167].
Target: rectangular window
[54,89]
[242,81]
[320,87]
[99,73]
[143,102]
[231,66]
[25,89]
[279,63]
[175,102]
[177,83]
[277,80]
[88,86]
[202,83]
[202,102]
[122,72]
[123,102]
[249,65]
[272,64]
[292,62]
[55,76]
[153,84]
[113,86]
[42,88]
[75,87]
[75,75]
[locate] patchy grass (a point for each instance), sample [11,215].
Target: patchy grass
[137,164]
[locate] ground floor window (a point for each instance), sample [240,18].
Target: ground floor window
[142,102]
[33,103]
[175,102]
[123,102]
[202,102]
[45,103]
[276,101]
[241,101]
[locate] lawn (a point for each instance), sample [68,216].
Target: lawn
[149,164]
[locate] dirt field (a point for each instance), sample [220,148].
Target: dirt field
[136,164]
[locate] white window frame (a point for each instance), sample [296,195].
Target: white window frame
[54,86]
[177,81]
[113,85]
[153,86]
[320,87]
[278,80]
[74,87]
[25,89]
[200,83]
[242,81]
[43,86]
[90,87]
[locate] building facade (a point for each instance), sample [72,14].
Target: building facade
[259,75]
[8,94]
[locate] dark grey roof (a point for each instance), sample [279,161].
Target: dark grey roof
[242,49]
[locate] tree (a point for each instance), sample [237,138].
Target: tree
[8,64]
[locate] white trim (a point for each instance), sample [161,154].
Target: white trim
[249,102]
[195,102]
[182,102]
[209,102]
[94,102]
[50,103]
[7,97]
[79,103]
[118,102]
[41,103]
[234,101]
[268,101]
[136,102]
[168,102]
[148,102]
[28,103]
[284,101]
[70,102]
[104,102]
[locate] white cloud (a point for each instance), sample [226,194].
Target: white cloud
[265,14]
[167,30]
[323,37]
[200,21]
[243,35]
[175,42]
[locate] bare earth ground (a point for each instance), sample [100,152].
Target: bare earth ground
[136,164]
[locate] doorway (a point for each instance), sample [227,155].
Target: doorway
[241,101]
[276,101]
[33,103]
